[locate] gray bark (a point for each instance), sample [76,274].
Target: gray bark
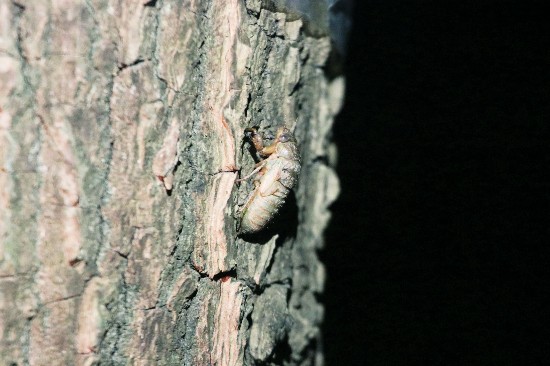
[121,126]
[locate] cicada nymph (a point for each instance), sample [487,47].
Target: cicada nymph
[277,172]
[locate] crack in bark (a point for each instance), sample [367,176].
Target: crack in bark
[225,275]
[17,275]
[150,3]
[132,64]
[19,45]
[70,297]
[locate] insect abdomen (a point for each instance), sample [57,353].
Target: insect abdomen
[260,210]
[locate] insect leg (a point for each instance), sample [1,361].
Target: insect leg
[268,150]
[257,140]
[260,166]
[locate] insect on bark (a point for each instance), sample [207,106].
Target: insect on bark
[277,172]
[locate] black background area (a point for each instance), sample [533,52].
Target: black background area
[436,254]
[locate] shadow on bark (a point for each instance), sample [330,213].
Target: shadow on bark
[285,224]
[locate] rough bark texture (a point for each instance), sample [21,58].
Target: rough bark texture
[121,125]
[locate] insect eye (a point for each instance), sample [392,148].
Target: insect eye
[284,137]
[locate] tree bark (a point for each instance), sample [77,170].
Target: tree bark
[121,128]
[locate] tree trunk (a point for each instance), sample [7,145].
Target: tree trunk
[121,128]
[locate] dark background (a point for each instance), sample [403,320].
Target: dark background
[436,254]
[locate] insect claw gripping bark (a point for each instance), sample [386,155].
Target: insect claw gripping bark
[277,172]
